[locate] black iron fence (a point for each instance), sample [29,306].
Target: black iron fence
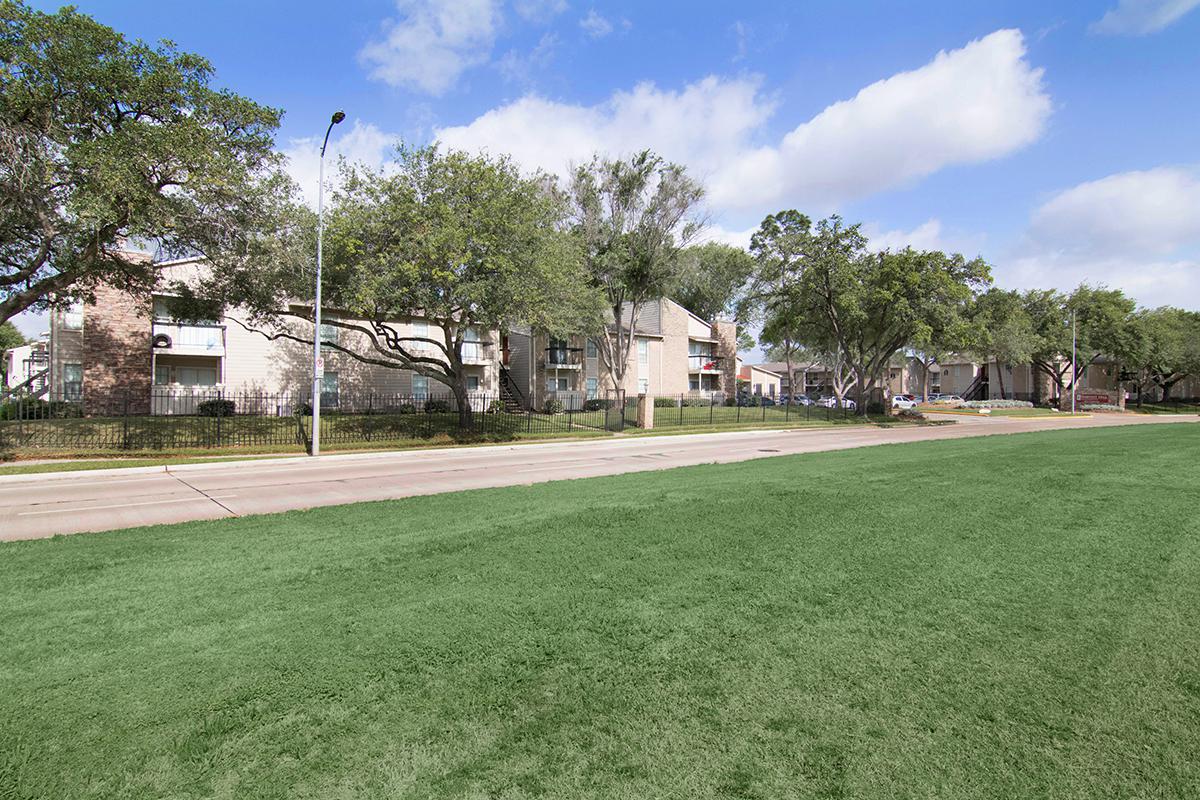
[165,418]
[701,409]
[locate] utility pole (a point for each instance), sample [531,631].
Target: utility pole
[1074,375]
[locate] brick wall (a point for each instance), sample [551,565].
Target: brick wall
[726,333]
[117,353]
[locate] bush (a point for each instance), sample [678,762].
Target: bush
[217,408]
[753,401]
[666,402]
[433,406]
[40,409]
[997,404]
[911,415]
[496,407]
[1099,407]
[553,406]
[697,402]
[406,408]
[729,401]
[597,405]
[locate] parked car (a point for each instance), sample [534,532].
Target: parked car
[948,399]
[903,401]
[831,402]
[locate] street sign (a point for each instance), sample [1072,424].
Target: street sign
[321,364]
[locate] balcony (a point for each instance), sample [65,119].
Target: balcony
[189,340]
[705,363]
[564,358]
[475,353]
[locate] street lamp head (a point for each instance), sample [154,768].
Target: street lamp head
[337,117]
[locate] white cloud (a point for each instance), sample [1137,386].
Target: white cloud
[595,25]
[969,105]
[1140,17]
[362,144]
[716,233]
[1151,211]
[966,106]
[703,126]
[433,43]
[539,11]
[1137,231]
[926,236]
[520,68]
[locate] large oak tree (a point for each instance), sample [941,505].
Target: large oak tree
[104,140]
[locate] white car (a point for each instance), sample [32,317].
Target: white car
[949,399]
[831,402]
[904,401]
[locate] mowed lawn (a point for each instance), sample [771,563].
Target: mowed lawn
[1007,617]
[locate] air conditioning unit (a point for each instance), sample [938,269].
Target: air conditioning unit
[162,340]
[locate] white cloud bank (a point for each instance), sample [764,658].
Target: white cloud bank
[966,106]
[1138,231]
[1141,17]
[434,42]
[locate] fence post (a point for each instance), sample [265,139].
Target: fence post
[787,410]
[220,413]
[712,401]
[681,410]
[737,402]
[763,400]
[125,423]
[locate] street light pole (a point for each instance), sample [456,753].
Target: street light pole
[1074,376]
[318,368]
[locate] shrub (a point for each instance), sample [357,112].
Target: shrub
[997,404]
[496,407]
[434,406]
[666,402]
[40,409]
[406,408]
[1099,407]
[694,402]
[911,415]
[597,405]
[553,406]
[217,408]
[753,401]
[729,401]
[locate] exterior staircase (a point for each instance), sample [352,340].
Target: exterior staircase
[35,386]
[978,389]
[510,394]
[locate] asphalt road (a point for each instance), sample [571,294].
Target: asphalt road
[36,506]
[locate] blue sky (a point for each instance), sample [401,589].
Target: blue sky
[1057,140]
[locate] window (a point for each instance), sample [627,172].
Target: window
[420,328]
[694,384]
[643,386]
[561,384]
[471,350]
[592,350]
[593,387]
[73,317]
[329,388]
[72,381]
[758,388]
[162,374]
[643,351]
[472,383]
[557,352]
[420,386]
[196,376]
[330,334]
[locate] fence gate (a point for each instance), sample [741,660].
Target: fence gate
[614,411]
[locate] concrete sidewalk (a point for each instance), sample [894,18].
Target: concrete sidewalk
[42,505]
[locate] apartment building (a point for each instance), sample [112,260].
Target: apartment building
[674,352]
[128,345]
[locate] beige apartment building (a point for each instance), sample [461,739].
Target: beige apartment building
[674,352]
[121,346]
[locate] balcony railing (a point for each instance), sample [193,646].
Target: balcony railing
[564,357]
[204,340]
[704,362]
[475,353]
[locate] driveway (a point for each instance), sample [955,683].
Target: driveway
[36,506]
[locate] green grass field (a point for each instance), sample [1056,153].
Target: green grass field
[1006,617]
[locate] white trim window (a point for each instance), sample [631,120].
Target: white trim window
[420,329]
[643,350]
[420,387]
[72,318]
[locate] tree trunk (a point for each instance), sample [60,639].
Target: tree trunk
[466,416]
[791,377]
[925,382]
[1000,379]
